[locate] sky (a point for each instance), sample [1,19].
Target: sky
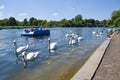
[58,9]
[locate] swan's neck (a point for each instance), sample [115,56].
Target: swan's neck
[49,44]
[77,40]
[15,46]
[15,49]
[23,57]
[71,40]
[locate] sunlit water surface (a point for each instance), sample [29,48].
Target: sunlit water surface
[48,64]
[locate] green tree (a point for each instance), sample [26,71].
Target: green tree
[91,22]
[97,23]
[4,22]
[35,22]
[51,23]
[25,22]
[39,22]
[43,23]
[115,15]
[110,23]
[104,22]
[115,18]
[31,21]
[12,22]
[20,23]
[78,17]
[117,22]
[64,23]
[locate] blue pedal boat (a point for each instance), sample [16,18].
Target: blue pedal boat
[36,32]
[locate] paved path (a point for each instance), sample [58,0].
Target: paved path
[109,68]
[89,68]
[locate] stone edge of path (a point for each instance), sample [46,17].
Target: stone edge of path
[89,68]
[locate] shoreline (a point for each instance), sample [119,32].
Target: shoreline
[21,27]
[85,73]
[73,69]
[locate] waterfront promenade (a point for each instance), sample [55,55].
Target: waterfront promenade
[104,64]
[109,68]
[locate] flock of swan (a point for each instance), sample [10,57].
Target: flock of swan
[31,55]
[27,56]
[73,38]
[97,34]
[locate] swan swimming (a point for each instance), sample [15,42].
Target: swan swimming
[97,35]
[68,35]
[75,36]
[52,45]
[79,39]
[71,42]
[29,56]
[20,49]
[101,33]
[94,32]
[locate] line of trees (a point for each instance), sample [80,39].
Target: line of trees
[115,19]
[77,21]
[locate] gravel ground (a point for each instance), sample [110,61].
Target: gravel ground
[109,68]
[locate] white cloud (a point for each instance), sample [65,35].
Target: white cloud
[22,14]
[55,14]
[2,7]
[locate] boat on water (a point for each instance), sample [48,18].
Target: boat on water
[36,32]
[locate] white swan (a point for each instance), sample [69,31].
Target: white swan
[75,36]
[29,56]
[52,45]
[20,49]
[94,32]
[97,35]
[71,35]
[71,42]
[101,33]
[79,39]
[68,35]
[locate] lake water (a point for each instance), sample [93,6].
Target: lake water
[48,65]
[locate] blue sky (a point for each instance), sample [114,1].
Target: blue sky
[58,9]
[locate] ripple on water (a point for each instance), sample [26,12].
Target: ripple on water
[48,65]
